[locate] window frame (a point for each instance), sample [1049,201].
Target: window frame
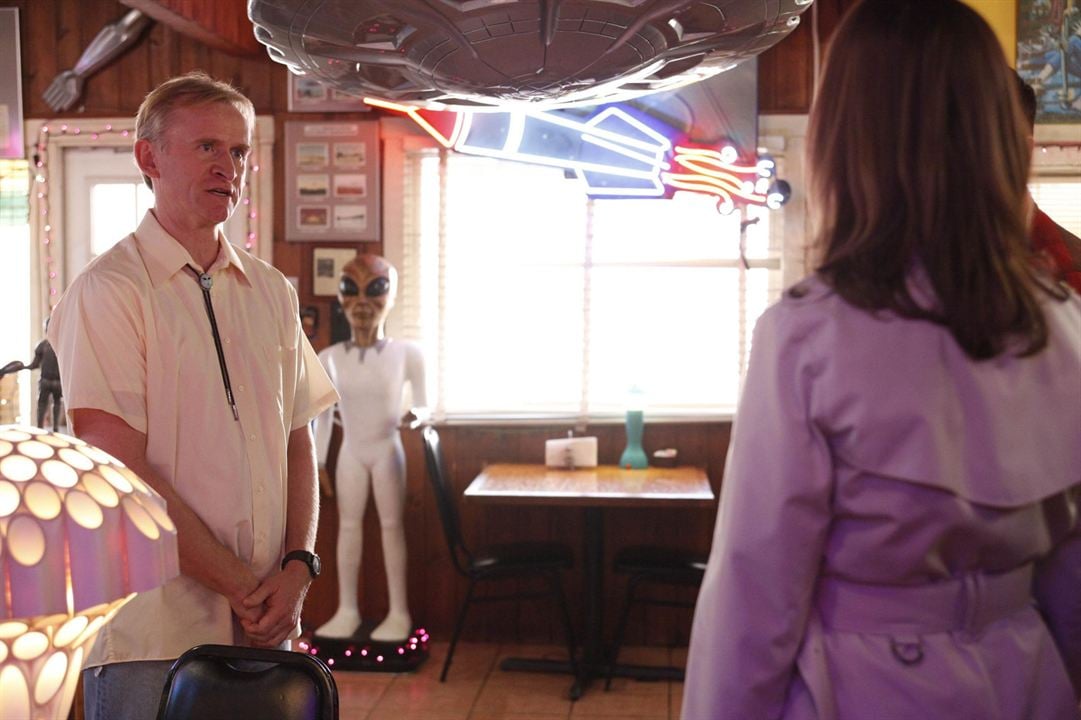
[780,136]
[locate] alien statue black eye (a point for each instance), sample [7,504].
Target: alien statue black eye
[378,287]
[347,287]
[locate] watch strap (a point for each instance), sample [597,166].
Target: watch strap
[308,558]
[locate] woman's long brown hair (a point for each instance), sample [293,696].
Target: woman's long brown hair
[919,159]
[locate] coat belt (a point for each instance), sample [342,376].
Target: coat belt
[966,603]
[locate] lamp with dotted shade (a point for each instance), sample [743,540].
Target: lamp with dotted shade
[80,535]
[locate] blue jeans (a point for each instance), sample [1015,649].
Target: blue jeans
[124,691]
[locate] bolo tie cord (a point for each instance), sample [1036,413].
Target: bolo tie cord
[205,283]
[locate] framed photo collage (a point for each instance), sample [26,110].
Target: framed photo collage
[332,181]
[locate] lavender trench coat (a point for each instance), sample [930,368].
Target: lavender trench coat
[885,506]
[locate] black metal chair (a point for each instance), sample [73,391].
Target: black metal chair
[546,560]
[654,567]
[223,682]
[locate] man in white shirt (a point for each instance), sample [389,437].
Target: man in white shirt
[182,356]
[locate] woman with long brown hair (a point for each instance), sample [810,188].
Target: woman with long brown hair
[898,534]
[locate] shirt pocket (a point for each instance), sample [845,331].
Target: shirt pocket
[281,373]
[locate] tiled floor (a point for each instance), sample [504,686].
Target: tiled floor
[476,689]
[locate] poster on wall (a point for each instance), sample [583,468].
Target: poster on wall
[332,181]
[11,92]
[1049,57]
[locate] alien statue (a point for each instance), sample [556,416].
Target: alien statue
[370,371]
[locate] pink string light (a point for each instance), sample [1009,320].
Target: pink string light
[409,652]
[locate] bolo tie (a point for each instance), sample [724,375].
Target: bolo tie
[205,283]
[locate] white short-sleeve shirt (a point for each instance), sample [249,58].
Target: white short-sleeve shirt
[133,339]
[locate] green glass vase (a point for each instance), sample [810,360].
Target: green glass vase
[634,457]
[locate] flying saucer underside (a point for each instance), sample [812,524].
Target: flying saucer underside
[551,53]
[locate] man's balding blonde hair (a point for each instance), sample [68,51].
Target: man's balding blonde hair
[194,88]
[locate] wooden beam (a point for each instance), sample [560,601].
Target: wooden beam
[220,24]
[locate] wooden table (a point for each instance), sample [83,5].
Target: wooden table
[593,490]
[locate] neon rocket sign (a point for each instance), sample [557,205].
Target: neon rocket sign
[613,152]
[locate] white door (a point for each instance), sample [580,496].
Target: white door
[104,200]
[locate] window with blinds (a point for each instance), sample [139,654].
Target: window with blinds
[1060,198]
[532,300]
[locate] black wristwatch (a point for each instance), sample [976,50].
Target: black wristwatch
[315,565]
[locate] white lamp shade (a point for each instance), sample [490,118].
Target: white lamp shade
[80,534]
[69,511]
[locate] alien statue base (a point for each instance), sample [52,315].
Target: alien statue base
[362,654]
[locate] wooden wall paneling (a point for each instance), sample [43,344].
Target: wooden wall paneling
[830,13]
[130,77]
[68,41]
[162,53]
[279,85]
[37,25]
[220,24]
[418,533]
[785,72]
[193,56]
[84,22]
[133,76]
[231,69]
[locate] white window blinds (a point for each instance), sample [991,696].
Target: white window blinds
[1060,198]
[532,300]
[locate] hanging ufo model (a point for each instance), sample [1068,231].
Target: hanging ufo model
[550,53]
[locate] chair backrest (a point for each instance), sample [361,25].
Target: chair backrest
[444,498]
[222,682]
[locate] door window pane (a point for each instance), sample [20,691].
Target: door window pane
[115,211]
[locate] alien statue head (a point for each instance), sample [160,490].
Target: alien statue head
[366,291]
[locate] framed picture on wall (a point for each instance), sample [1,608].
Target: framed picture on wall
[332,181]
[1049,57]
[327,264]
[306,94]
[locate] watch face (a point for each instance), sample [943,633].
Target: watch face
[316,565]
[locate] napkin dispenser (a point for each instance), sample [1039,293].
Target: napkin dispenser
[572,452]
